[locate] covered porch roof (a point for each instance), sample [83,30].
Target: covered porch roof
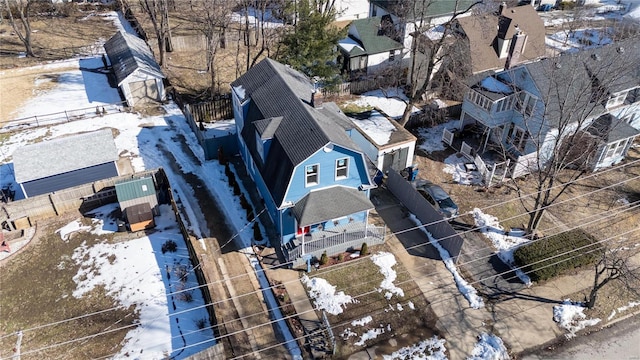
[330,203]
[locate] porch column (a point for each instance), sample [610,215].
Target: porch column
[366,225]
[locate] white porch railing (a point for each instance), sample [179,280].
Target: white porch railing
[466,150]
[447,137]
[333,244]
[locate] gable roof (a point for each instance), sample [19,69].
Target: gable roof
[483,36]
[276,90]
[368,38]
[129,53]
[430,9]
[62,155]
[617,66]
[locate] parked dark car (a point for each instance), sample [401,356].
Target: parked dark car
[437,197]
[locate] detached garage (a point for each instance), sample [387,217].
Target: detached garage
[66,162]
[138,75]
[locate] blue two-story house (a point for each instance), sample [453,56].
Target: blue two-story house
[585,102]
[313,178]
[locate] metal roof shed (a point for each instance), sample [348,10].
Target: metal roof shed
[66,162]
[136,71]
[137,191]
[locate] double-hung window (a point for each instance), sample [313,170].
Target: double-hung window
[342,168]
[312,175]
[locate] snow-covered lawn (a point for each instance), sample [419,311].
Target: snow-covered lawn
[257,17]
[489,347]
[324,295]
[431,349]
[570,315]
[455,164]
[385,261]
[140,273]
[468,291]
[391,101]
[622,309]
[431,137]
[572,40]
[505,243]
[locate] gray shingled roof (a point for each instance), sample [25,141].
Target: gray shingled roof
[276,90]
[617,66]
[58,156]
[128,53]
[610,129]
[372,42]
[565,86]
[320,206]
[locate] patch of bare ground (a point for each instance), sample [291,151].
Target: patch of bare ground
[37,286]
[400,324]
[55,38]
[186,67]
[73,31]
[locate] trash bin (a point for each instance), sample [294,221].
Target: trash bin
[122,226]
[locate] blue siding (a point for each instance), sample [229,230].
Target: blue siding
[70,179]
[260,184]
[357,174]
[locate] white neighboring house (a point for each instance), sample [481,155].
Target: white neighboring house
[367,50]
[403,17]
[351,9]
[138,75]
[384,141]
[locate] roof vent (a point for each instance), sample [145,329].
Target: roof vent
[595,57]
[620,50]
[558,65]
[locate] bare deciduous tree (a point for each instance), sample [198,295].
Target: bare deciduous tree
[568,123]
[158,13]
[614,265]
[427,54]
[22,25]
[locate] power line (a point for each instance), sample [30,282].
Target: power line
[392,234]
[410,279]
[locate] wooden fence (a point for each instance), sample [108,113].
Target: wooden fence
[220,108]
[84,197]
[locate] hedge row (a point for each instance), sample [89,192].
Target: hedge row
[553,256]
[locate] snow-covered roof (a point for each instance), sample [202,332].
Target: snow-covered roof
[58,156]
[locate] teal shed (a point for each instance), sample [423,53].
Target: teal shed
[137,191]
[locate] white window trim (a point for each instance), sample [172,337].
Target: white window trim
[346,168]
[616,100]
[306,175]
[259,146]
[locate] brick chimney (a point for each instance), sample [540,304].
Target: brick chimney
[316,99]
[518,43]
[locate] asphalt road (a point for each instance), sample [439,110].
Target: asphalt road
[621,341]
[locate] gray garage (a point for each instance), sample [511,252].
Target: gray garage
[66,162]
[138,75]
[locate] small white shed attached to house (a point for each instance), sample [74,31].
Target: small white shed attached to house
[138,75]
[384,141]
[62,163]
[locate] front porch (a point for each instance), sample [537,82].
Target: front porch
[334,241]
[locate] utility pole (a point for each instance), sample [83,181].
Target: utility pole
[16,349]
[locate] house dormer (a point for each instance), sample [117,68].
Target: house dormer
[265,129]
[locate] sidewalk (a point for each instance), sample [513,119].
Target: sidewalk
[304,309]
[523,319]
